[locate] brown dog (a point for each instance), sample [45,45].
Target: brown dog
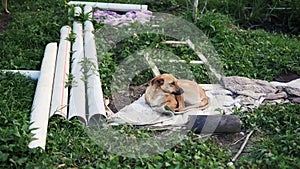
[177,94]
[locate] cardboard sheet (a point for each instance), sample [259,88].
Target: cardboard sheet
[139,112]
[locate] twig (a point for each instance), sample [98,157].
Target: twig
[195,10]
[243,146]
[238,141]
[204,59]
[242,117]
[152,65]
[202,137]
[172,8]
[205,4]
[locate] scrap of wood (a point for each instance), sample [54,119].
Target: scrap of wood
[238,141]
[243,146]
[177,43]
[108,111]
[195,10]
[152,65]
[203,9]
[204,59]
[199,54]
[195,62]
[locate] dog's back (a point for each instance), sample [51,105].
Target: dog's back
[193,92]
[177,94]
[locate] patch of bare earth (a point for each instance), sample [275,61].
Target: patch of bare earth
[119,100]
[4,20]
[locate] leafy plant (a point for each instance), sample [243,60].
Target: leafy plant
[255,54]
[279,144]
[249,53]
[37,26]
[15,100]
[278,15]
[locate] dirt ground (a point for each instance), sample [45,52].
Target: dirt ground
[121,99]
[4,20]
[231,140]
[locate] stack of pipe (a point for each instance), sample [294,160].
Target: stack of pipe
[52,94]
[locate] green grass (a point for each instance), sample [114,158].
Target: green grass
[34,24]
[279,145]
[261,14]
[16,99]
[255,54]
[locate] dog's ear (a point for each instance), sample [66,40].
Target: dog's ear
[157,81]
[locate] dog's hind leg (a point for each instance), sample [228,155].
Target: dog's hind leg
[202,105]
[180,102]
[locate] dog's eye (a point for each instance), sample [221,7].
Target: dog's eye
[173,83]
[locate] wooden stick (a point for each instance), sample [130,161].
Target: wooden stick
[152,65]
[175,42]
[204,59]
[243,146]
[238,141]
[195,62]
[205,4]
[195,10]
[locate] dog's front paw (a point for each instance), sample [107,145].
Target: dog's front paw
[178,111]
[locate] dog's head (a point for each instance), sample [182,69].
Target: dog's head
[167,83]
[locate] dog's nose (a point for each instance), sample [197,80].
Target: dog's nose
[179,92]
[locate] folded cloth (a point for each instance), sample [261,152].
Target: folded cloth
[140,113]
[292,88]
[115,19]
[295,99]
[252,88]
[254,92]
[294,84]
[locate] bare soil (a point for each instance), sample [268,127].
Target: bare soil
[121,99]
[233,141]
[4,21]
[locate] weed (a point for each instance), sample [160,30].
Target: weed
[71,37]
[279,145]
[255,54]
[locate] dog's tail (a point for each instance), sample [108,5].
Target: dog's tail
[204,102]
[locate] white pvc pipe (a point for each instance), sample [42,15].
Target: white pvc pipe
[42,98]
[96,107]
[60,91]
[33,74]
[111,6]
[77,107]
[88,11]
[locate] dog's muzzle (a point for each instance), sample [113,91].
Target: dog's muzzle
[178,92]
